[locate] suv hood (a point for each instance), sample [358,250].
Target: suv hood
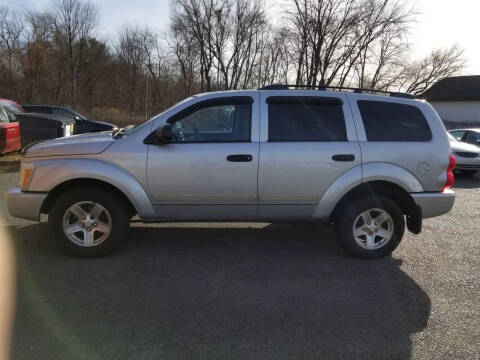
[84,144]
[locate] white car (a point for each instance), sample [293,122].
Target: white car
[469,136]
[467,155]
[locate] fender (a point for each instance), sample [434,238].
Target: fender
[377,171]
[392,173]
[50,173]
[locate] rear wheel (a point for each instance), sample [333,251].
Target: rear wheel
[88,222]
[370,227]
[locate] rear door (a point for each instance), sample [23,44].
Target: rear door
[308,140]
[403,133]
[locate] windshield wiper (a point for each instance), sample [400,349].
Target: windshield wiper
[118,133]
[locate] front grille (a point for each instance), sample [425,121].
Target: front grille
[467,167]
[466,154]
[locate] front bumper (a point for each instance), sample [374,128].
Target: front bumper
[434,204]
[468,167]
[25,205]
[464,163]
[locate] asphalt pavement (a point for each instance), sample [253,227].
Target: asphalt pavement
[251,291]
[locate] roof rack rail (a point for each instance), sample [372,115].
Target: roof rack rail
[337,88]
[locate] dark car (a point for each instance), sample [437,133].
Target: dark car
[82,125]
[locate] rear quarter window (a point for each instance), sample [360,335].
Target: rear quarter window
[388,121]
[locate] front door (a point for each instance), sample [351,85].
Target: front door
[209,170]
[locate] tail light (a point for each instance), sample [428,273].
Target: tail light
[450,177]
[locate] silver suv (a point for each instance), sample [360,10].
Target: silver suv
[367,163]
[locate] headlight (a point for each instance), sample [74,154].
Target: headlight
[26,171]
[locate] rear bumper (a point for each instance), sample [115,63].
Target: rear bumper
[434,204]
[25,205]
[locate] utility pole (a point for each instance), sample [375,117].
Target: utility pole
[146,99]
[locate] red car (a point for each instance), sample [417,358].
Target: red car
[9,129]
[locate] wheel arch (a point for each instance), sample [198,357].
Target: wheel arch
[377,188]
[54,175]
[85,183]
[374,179]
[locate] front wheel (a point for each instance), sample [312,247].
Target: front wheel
[88,221]
[370,228]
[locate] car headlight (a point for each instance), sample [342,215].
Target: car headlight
[26,171]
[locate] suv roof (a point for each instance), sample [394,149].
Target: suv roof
[337,88]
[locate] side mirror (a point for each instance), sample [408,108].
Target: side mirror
[164,133]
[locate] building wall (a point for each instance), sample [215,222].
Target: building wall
[458,112]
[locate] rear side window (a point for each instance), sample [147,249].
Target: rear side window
[387,121]
[292,119]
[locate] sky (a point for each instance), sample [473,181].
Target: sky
[440,23]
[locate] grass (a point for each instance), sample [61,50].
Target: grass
[10,163]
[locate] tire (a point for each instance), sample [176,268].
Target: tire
[104,223]
[362,246]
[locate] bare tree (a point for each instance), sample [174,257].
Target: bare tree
[197,18]
[132,52]
[333,35]
[54,56]
[275,60]
[11,30]
[419,75]
[229,36]
[186,52]
[75,22]
[380,66]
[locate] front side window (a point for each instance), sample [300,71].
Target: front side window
[222,120]
[458,134]
[308,119]
[388,121]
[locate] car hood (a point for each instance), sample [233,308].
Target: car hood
[103,123]
[84,144]
[461,146]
